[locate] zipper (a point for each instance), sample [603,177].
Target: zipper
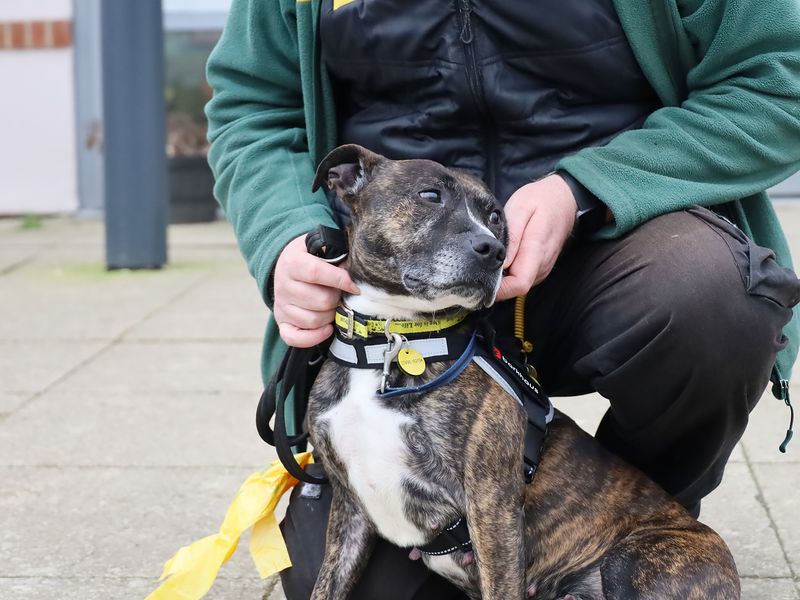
[475,82]
[784,395]
[467,37]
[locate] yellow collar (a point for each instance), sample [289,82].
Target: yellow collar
[352,324]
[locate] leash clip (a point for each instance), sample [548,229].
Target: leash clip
[391,352]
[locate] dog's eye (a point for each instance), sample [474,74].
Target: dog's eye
[494,218]
[431,195]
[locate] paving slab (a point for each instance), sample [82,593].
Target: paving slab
[586,410]
[772,589]
[106,429]
[111,522]
[159,366]
[780,484]
[51,231]
[10,401]
[110,588]
[32,366]
[226,306]
[11,257]
[736,512]
[84,301]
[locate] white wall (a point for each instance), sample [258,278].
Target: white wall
[25,10]
[37,131]
[37,119]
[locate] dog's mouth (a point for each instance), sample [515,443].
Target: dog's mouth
[468,291]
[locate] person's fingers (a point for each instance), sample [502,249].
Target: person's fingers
[305,319]
[310,296]
[523,272]
[517,221]
[316,270]
[294,263]
[510,287]
[304,338]
[514,238]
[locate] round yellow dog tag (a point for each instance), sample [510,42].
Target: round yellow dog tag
[411,362]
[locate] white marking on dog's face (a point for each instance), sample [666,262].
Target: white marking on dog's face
[368,438]
[482,227]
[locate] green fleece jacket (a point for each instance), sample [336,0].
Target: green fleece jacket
[726,71]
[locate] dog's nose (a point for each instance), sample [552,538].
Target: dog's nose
[489,249]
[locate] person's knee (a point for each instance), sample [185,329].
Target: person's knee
[681,316]
[699,290]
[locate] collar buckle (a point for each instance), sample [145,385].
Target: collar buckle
[351,319]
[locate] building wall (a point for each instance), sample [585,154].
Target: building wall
[21,10]
[37,115]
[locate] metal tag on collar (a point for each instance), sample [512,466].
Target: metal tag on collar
[391,352]
[410,361]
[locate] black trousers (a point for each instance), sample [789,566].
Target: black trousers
[677,323]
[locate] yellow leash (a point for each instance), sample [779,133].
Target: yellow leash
[193,569]
[519,324]
[526,346]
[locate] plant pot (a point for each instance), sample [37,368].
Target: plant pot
[191,190]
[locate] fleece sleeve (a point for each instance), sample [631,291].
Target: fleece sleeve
[259,147]
[736,133]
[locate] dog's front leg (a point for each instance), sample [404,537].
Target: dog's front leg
[348,544]
[494,499]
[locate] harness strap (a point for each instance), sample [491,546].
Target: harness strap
[537,406]
[452,538]
[453,371]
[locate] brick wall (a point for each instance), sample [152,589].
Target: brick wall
[31,35]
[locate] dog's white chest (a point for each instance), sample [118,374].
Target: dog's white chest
[368,439]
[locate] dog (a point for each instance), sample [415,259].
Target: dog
[425,241]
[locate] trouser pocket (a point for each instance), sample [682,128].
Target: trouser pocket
[761,274]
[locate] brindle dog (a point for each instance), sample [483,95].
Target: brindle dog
[424,238]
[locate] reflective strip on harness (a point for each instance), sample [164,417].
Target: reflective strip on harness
[374,353]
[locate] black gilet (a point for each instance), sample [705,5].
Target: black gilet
[503,89]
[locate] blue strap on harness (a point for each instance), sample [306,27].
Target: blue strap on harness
[453,371]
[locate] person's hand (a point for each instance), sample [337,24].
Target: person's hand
[307,291]
[541,216]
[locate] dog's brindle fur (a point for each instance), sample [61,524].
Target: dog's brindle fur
[589,527]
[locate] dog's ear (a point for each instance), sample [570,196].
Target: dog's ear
[346,169]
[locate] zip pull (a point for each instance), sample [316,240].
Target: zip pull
[466,30]
[784,395]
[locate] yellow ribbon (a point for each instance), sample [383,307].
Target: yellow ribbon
[194,568]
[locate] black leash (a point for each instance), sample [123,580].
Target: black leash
[295,373]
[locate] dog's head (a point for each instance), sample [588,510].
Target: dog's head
[433,235]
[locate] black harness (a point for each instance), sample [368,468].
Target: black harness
[467,341]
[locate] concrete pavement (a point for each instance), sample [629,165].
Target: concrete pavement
[126,421]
